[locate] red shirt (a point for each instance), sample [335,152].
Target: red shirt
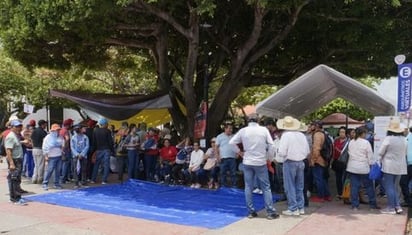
[168,153]
[338,145]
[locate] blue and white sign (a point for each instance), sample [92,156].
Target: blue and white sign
[404,87]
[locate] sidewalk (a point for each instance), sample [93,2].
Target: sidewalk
[320,218]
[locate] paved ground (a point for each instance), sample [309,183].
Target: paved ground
[321,218]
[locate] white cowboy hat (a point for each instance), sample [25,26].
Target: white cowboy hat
[395,126]
[303,127]
[288,123]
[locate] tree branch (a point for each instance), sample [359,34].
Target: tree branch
[244,50]
[166,17]
[279,37]
[129,43]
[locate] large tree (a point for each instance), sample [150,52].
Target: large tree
[193,43]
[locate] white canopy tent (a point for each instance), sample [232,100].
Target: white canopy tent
[317,88]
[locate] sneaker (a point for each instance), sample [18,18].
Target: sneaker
[272,216]
[354,208]
[198,186]
[57,187]
[252,215]
[257,191]
[388,211]
[21,202]
[210,185]
[217,185]
[289,212]
[45,187]
[398,210]
[192,186]
[92,182]
[301,211]
[104,182]
[317,199]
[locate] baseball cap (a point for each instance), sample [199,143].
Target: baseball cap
[16,123]
[103,121]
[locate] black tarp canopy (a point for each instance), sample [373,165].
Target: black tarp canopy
[116,106]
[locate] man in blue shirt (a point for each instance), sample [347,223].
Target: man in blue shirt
[228,155]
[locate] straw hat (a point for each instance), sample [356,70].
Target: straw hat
[303,127]
[395,126]
[288,123]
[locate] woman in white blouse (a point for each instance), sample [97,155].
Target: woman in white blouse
[360,159]
[392,155]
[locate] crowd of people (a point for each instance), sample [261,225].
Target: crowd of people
[273,156]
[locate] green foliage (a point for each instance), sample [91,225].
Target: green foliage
[339,105]
[253,95]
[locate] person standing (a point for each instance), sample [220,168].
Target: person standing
[151,154]
[392,154]
[28,162]
[65,132]
[360,159]
[319,165]
[132,143]
[53,145]
[37,138]
[340,145]
[227,155]
[294,149]
[104,146]
[14,155]
[405,179]
[256,141]
[79,145]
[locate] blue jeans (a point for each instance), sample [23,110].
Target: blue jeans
[150,166]
[391,189]
[66,167]
[293,179]
[29,163]
[356,180]
[320,181]
[228,164]
[102,157]
[133,163]
[213,174]
[261,172]
[53,164]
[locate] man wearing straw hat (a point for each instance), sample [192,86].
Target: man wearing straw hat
[256,142]
[294,149]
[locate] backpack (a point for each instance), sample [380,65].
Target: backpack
[327,148]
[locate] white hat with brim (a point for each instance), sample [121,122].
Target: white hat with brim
[303,127]
[288,123]
[395,126]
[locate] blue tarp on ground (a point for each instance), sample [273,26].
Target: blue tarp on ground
[172,204]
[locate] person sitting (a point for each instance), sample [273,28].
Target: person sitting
[182,160]
[167,160]
[211,169]
[195,170]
